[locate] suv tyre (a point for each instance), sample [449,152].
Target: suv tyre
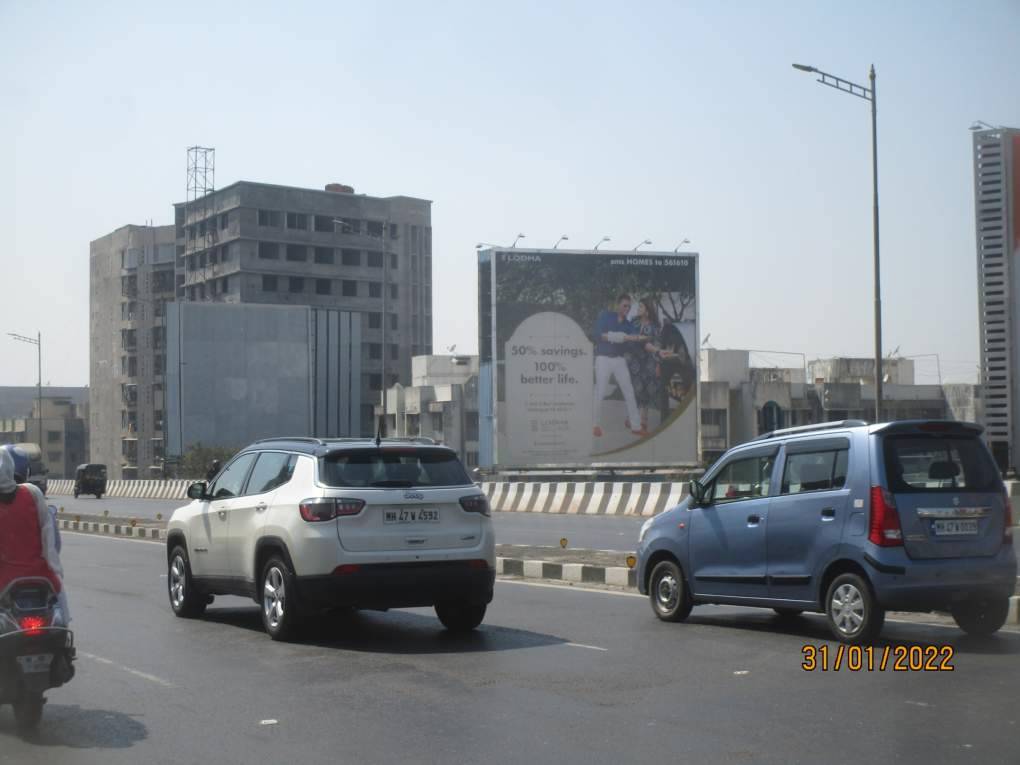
[277,596]
[185,599]
[853,614]
[460,617]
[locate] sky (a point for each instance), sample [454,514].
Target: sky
[657,120]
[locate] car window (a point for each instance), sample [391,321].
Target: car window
[938,463]
[742,479]
[229,482]
[273,469]
[814,471]
[393,468]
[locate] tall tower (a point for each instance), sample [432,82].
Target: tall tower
[997,224]
[201,232]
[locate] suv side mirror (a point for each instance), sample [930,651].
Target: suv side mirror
[197,490]
[698,492]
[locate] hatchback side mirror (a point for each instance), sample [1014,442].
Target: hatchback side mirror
[197,490]
[698,493]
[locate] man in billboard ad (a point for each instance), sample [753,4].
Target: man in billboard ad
[595,358]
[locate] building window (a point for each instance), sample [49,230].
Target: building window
[437,422]
[297,252]
[55,456]
[224,221]
[375,382]
[393,321]
[323,287]
[393,292]
[350,257]
[375,289]
[324,256]
[297,221]
[297,284]
[269,250]
[52,436]
[269,218]
[471,426]
[324,223]
[472,459]
[374,350]
[159,364]
[268,283]
[349,288]
[393,261]
[394,352]
[375,259]
[374,320]
[374,228]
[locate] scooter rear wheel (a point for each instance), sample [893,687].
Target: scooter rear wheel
[28,712]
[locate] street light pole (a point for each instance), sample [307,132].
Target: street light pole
[37,342]
[868,94]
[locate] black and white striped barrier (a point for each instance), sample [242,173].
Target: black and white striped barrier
[584,498]
[134,489]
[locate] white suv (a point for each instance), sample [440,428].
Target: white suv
[302,525]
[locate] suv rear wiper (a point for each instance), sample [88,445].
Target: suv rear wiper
[392,484]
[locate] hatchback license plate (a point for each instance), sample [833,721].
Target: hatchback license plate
[411,515]
[954,527]
[39,662]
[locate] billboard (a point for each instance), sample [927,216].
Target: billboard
[588,358]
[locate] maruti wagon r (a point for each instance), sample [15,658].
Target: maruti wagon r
[844,518]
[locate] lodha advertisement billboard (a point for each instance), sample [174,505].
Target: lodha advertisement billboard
[588,358]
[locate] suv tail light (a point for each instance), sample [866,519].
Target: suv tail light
[1007,531]
[884,525]
[475,504]
[32,625]
[321,509]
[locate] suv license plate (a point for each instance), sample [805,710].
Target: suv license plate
[38,663]
[411,515]
[954,527]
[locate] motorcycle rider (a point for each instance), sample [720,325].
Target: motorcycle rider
[28,545]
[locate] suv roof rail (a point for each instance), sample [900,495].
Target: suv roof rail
[399,439]
[811,428]
[299,439]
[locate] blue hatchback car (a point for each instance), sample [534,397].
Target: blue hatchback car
[846,519]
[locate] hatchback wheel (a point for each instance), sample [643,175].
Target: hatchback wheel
[280,614]
[460,617]
[667,590]
[982,616]
[854,616]
[185,599]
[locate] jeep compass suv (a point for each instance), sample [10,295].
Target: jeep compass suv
[302,525]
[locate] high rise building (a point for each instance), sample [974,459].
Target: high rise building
[131,279]
[332,248]
[997,223]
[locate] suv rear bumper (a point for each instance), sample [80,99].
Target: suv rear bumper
[934,585]
[399,585]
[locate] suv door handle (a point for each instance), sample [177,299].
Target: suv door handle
[260,507]
[753,520]
[828,513]
[222,514]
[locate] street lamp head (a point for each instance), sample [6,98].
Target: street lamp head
[804,68]
[601,241]
[682,243]
[563,238]
[518,238]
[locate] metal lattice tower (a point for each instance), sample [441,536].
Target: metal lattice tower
[198,208]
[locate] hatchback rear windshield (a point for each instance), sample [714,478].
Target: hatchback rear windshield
[939,463]
[393,468]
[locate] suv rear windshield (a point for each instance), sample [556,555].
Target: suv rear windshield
[939,463]
[393,468]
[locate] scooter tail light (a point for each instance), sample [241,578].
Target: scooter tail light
[32,625]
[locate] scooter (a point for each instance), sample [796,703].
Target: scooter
[37,652]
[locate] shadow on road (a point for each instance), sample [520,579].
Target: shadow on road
[813,627]
[392,632]
[77,728]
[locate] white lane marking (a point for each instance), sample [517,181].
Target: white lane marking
[111,538]
[742,672]
[129,670]
[589,647]
[268,722]
[918,703]
[568,587]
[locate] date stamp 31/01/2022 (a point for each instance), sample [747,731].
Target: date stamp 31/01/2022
[866,658]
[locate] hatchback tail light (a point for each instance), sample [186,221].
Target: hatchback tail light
[321,509]
[32,625]
[1007,531]
[475,504]
[884,525]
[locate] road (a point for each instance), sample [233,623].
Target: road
[587,532]
[554,675]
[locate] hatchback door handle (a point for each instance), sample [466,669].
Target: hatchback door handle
[753,520]
[828,513]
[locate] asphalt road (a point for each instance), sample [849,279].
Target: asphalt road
[588,532]
[554,675]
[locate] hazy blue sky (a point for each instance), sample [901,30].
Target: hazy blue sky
[632,120]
